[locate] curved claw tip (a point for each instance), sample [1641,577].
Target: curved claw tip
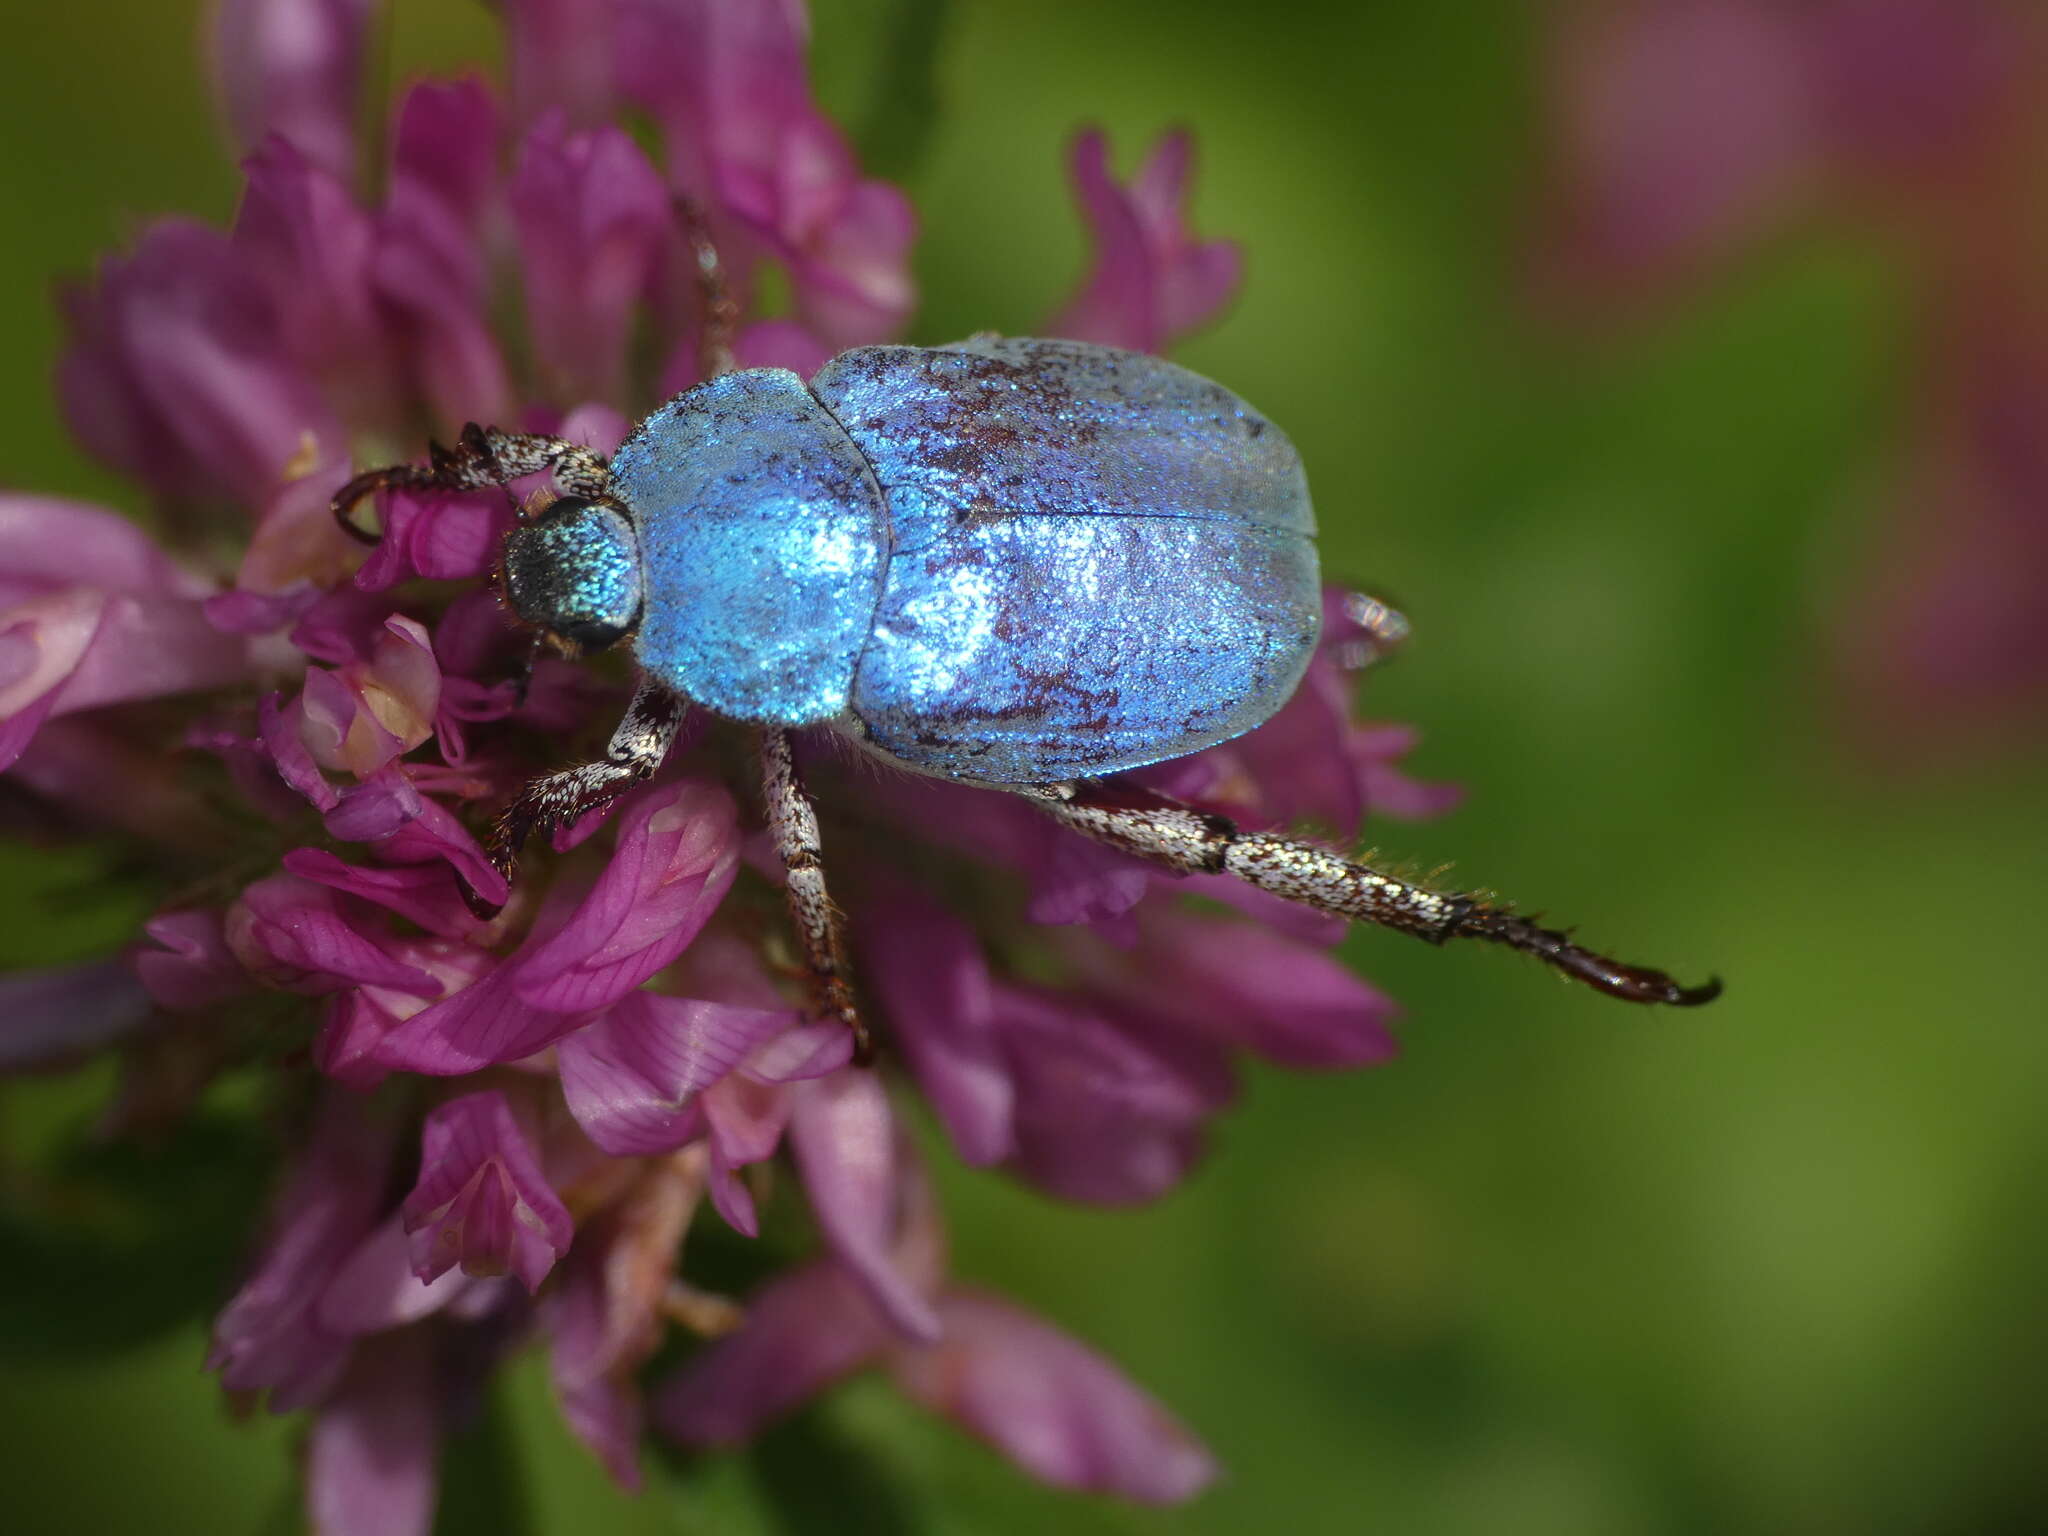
[482,908]
[1692,997]
[344,509]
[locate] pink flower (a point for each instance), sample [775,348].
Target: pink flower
[91,615]
[178,376]
[596,234]
[370,1460]
[482,1201]
[269,1337]
[1152,281]
[725,79]
[1685,133]
[506,1105]
[1049,1403]
[293,68]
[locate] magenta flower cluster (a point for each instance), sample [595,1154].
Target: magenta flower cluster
[507,1127]
[1687,131]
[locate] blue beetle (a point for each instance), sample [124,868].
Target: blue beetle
[1028,565]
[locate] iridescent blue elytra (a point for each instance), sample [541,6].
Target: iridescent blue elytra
[1027,565]
[1005,561]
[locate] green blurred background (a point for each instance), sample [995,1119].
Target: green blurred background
[1564,1267]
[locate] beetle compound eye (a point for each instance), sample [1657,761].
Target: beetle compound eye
[575,573]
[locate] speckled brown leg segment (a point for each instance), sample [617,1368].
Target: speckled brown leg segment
[793,820]
[481,458]
[636,750]
[1196,842]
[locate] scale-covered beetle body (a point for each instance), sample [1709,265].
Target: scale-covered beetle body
[1007,561]
[1027,565]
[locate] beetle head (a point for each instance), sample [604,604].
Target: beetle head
[573,573]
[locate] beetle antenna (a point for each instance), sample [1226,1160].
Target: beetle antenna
[720,311]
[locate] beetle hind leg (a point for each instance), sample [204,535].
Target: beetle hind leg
[793,820]
[1196,842]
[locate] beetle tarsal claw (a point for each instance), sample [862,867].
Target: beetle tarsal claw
[349,500]
[1630,983]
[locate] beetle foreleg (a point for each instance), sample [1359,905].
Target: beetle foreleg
[481,458]
[1197,842]
[793,820]
[637,748]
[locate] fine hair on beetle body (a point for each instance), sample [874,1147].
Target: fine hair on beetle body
[1025,565]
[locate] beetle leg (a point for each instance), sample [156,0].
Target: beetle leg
[721,312]
[1197,842]
[636,750]
[481,458]
[793,820]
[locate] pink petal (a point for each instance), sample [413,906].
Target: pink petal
[42,642]
[806,1051]
[440,538]
[1104,1114]
[151,647]
[294,68]
[294,934]
[195,969]
[282,728]
[372,1458]
[678,849]
[350,1045]
[781,344]
[47,542]
[481,1200]
[268,1336]
[53,1015]
[177,373]
[630,1076]
[559,54]
[342,624]
[432,834]
[803,1332]
[1059,1410]
[594,222]
[1151,281]
[726,82]
[380,807]
[430,267]
[260,613]
[605,1314]
[297,546]
[424,893]
[374,1289]
[482,1024]
[927,972]
[853,280]
[844,1137]
[316,247]
[744,1121]
[1246,985]
[1682,128]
